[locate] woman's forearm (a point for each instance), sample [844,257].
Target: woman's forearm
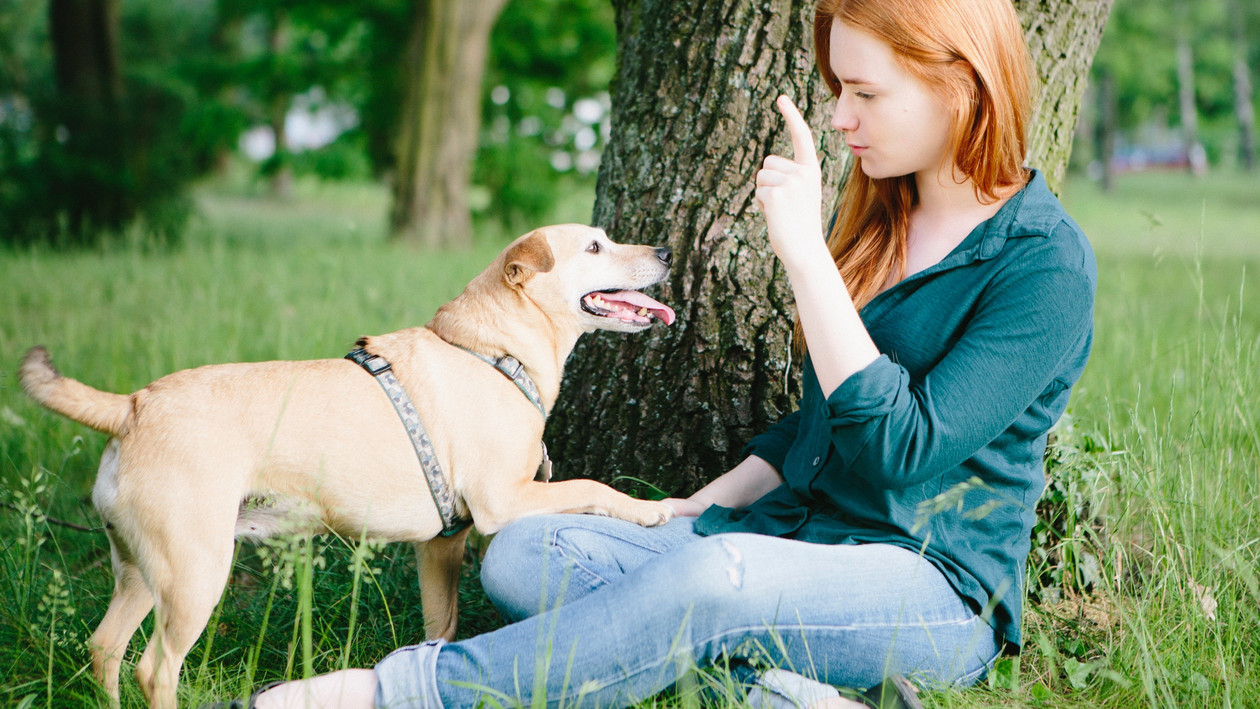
[740,486]
[839,345]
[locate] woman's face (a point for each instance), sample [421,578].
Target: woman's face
[890,119]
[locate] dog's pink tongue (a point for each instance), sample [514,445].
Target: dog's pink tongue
[637,300]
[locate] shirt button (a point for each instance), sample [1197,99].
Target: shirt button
[817,461]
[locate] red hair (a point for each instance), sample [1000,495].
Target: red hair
[972,54]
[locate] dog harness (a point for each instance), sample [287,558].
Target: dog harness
[443,497]
[512,368]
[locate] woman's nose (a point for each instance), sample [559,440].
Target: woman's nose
[842,119]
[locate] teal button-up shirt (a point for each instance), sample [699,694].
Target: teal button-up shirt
[937,446]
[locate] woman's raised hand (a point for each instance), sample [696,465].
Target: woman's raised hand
[790,193]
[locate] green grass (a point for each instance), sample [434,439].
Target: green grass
[1163,444]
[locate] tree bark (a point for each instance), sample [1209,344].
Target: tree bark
[1062,37]
[692,121]
[440,119]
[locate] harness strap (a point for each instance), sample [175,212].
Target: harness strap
[379,368]
[512,368]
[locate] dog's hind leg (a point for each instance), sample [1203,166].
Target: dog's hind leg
[440,560]
[132,601]
[187,581]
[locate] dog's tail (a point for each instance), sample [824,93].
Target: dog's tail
[103,411]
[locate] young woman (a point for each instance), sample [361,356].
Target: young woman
[881,529]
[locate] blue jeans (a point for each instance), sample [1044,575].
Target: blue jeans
[609,613]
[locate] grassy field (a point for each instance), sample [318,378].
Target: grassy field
[1157,593]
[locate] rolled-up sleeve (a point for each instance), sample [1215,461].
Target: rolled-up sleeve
[896,432]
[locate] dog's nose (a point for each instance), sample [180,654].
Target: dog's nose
[665,255]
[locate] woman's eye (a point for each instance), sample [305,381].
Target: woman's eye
[863,95]
[593,248]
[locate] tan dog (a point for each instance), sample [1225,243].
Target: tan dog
[317,446]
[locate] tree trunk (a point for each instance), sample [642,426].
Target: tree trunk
[84,35]
[439,120]
[1244,109]
[1196,160]
[692,121]
[1105,130]
[693,118]
[278,107]
[1062,37]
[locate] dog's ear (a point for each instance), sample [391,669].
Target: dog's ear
[526,257]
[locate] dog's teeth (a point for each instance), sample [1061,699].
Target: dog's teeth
[642,312]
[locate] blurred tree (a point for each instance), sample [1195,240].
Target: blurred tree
[20,31]
[202,72]
[269,52]
[544,57]
[1187,106]
[1133,62]
[1244,98]
[84,37]
[1104,133]
[693,119]
[90,128]
[545,122]
[439,119]
[1194,88]
[85,52]
[279,42]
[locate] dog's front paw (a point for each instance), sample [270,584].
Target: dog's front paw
[650,513]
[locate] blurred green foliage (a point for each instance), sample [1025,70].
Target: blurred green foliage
[197,74]
[546,108]
[71,168]
[1139,52]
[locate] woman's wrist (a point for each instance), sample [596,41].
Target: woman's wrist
[814,264]
[686,507]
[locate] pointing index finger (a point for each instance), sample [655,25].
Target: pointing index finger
[803,152]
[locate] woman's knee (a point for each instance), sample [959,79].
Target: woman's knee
[541,562]
[513,563]
[708,576]
[532,563]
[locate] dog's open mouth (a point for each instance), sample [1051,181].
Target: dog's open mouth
[628,306]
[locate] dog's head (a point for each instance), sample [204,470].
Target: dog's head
[575,271]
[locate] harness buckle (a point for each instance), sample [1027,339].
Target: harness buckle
[514,364]
[374,364]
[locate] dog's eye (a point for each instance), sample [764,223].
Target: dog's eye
[593,248]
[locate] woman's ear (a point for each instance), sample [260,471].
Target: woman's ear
[526,257]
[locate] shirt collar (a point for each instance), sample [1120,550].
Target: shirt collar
[1033,211]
